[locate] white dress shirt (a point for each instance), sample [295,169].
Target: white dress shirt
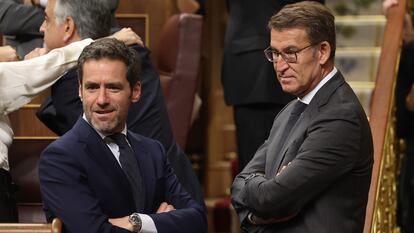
[21,81]
[308,97]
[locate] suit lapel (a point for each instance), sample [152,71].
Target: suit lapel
[276,156]
[272,157]
[145,165]
[99,152]
[295,138]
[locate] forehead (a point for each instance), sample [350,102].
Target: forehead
[50,7]
[290,37]
[104,64]
[104,67]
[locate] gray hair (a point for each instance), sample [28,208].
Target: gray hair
[92,17]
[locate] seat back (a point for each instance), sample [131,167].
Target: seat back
[54,227]
[24,158]
[178,62]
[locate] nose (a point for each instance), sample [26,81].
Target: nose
[102,97]
[43,26]
[280,65]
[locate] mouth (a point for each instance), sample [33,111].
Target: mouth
[283,79]
[103,114]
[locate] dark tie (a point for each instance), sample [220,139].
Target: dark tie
[130,167]
[298,108]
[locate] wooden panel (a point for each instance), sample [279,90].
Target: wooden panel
[54,227]
[138,22]
[25,123]
[220,127]
[158,11]
[23,157]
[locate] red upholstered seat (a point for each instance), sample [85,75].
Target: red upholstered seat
[178,62]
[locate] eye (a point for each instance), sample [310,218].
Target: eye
[114,87]
[91,87]
[290,51]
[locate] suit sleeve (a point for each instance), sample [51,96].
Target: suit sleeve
[20,81]
[62,109]
[238,188]
[330,150]
[189,215]
[20,19]
[64,188]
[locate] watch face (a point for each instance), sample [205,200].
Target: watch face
[135,220]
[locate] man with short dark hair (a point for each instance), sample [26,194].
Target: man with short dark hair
[313,173]
[68,21]
[101,177]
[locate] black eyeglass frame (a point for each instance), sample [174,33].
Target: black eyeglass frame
[290,57]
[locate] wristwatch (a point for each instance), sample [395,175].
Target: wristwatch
[135,221]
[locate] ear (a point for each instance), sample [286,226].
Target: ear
[80,90]
[324,52]
[69,29]
[136,92]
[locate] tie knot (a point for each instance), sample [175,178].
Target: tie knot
[119,139]
[298,107]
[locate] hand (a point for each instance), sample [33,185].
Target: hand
[283,168]
[188,6]
[409,100]
[165,207]
[8,53]
[387,4]
[128,36]
[121,222]
[35,53]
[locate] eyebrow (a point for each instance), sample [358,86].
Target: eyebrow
[288,48]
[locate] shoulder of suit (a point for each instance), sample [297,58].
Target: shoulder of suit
[141,138]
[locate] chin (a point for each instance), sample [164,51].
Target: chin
[288,90]
[103,127]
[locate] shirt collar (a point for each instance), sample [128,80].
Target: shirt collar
[124,131]
[308,97]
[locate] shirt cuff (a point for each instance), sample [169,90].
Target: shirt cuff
[148,225]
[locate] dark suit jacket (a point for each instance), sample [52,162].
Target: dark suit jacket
[147,117]
[405,118]
[83,185]
[325,186]
[21,24]
[247,76]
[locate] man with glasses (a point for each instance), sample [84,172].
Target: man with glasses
[248,79]
[314,171]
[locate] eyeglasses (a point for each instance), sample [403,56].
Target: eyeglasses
[288,56]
